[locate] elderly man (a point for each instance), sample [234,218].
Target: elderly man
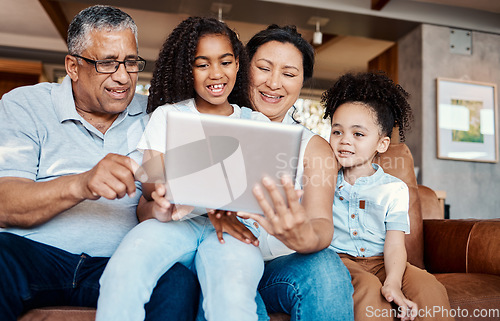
[67,189]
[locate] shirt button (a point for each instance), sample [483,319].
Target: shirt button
[341,198]
[353,216]
[362,249]
[354,233]
[256,224]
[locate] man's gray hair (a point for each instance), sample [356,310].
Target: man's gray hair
[96,18]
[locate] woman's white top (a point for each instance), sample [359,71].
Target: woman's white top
[269,245]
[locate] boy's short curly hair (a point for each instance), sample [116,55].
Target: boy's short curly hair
[377,91]
[173,75]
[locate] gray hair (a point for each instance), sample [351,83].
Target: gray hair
[100,18]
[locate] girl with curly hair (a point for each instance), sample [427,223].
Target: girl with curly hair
[202,68]
[370,209]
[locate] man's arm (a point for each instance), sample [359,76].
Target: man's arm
[25,203]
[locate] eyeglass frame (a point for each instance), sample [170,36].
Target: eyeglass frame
[95,62]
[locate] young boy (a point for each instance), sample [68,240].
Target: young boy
[370,209]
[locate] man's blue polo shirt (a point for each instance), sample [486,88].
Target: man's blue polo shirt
[42,137]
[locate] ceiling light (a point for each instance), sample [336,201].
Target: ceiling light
[220,9]
[318,35]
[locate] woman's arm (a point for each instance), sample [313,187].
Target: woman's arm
[395,266]
[320,177]
[304,226]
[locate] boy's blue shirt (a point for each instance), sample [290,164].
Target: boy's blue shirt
[365,211]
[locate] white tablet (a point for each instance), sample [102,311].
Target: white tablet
[215,161]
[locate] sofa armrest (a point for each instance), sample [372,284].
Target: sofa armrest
[463,246]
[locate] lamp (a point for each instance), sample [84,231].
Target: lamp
[220,8]
[318,35]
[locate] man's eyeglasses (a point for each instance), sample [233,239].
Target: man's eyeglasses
[111,66]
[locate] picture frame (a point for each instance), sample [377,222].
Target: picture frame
[467,125]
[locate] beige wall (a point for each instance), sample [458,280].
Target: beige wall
[473,189]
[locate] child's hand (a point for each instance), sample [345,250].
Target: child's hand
[226,221]
[163,210]
[179,211]
[408,309]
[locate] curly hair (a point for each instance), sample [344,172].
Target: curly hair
[377,91]
[286,34]
[173,74]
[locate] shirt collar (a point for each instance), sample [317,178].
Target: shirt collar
[367,180]
[135,107]
[288,119]
[189,105]
[64,102]
[62,99]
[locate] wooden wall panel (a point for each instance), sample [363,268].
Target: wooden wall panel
[387,62]
[16,73]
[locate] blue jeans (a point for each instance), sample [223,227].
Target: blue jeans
[35,275]
[313,286]
[261,309]
[228,273]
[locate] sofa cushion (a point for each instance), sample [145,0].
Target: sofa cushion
[472,293]
[484,246]
[398,161]
[59,314]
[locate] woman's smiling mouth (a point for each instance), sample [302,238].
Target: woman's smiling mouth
[270,98]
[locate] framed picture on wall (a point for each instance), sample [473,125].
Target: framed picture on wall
[467,125]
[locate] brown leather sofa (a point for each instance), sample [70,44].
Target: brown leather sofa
[463,254]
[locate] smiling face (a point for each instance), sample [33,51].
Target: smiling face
[355,139]
[104,94]
[214,73]
[276,78]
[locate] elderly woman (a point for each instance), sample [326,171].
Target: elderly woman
[302,277]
